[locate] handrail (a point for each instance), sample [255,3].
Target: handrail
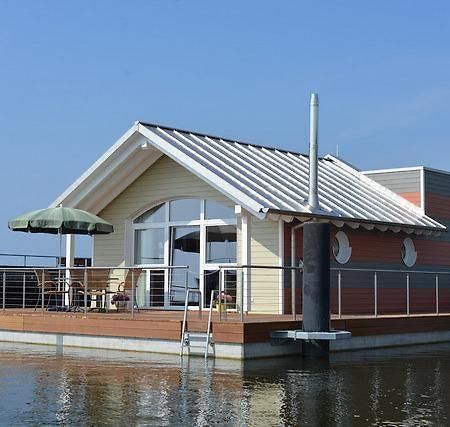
[381,270]
[275,267]
[186,308]
[208,331]
[171,267]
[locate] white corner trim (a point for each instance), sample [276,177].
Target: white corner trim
[422,189]
[280,263]
[246,258]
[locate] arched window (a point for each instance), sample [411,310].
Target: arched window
[174,232]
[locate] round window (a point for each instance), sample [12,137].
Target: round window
[341,248]
[409,254]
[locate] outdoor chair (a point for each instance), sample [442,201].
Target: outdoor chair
[52,287]
[97,287]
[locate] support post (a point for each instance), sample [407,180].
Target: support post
[4,291]
[437,294]
[375,293]
[70,255]
[407,294]
[24,277]
[85,284]
[132,292]
[316,286]
[339,294]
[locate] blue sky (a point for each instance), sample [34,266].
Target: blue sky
[75,75]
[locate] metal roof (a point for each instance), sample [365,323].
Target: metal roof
[275,182]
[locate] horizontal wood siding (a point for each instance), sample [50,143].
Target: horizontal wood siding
[437,182]
[437,206]
[374,250]
[413,197]
[398,181]
[163,181]
[264,251]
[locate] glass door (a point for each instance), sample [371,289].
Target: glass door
[185,250]
[224,280]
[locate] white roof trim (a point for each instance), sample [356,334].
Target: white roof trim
[97,164]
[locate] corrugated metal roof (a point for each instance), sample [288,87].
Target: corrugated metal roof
[275,181]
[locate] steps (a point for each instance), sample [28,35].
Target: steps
[194,338]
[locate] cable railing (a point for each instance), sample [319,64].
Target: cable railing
[89,289]
[240,291]
[23,260]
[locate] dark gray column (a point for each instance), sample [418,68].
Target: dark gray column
[316,285]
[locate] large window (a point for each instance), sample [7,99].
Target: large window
[149,246]
[221,244]
[212,240]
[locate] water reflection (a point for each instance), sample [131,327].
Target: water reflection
[408,386]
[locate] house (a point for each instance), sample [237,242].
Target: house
[180,198]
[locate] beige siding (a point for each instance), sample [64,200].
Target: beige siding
[264,251]
[164,180]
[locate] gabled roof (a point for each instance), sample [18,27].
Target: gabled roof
[265,181]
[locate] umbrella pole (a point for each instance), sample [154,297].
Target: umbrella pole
[59,266]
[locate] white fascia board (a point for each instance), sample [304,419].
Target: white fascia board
[95,166]
[387,192]
[204,173]
[374,171]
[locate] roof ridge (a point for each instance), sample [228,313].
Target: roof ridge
[224,139]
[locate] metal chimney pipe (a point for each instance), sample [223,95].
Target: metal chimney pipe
[313,200]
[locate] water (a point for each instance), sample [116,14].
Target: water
[406,387]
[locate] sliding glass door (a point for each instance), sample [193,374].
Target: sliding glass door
[185,250]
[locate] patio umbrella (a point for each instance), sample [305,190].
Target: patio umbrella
[60,220]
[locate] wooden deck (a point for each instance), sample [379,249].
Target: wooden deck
[167,325]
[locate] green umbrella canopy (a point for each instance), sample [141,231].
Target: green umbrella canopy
[60,220]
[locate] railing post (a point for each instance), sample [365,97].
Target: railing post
[375,293]
[42,290]
[220,295]
[293,289]
[132,292]
[242,295]
[437,294]
[407,294]
[4,291]
[85,284]
[23,289]
[339,294]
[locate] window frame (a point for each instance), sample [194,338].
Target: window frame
[167,224]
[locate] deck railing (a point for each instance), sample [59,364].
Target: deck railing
[241,290]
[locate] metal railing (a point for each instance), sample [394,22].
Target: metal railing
[240,290]
[361,291]
[8,259]
[89,289]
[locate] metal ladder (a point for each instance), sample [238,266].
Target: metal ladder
[196,339]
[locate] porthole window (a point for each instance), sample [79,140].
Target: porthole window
[409,254]
[341,248]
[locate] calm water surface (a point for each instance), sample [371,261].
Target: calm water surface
[40,386]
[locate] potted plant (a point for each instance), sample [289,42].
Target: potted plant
[223,301]
[120,300]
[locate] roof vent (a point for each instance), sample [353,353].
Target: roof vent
[313,200]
